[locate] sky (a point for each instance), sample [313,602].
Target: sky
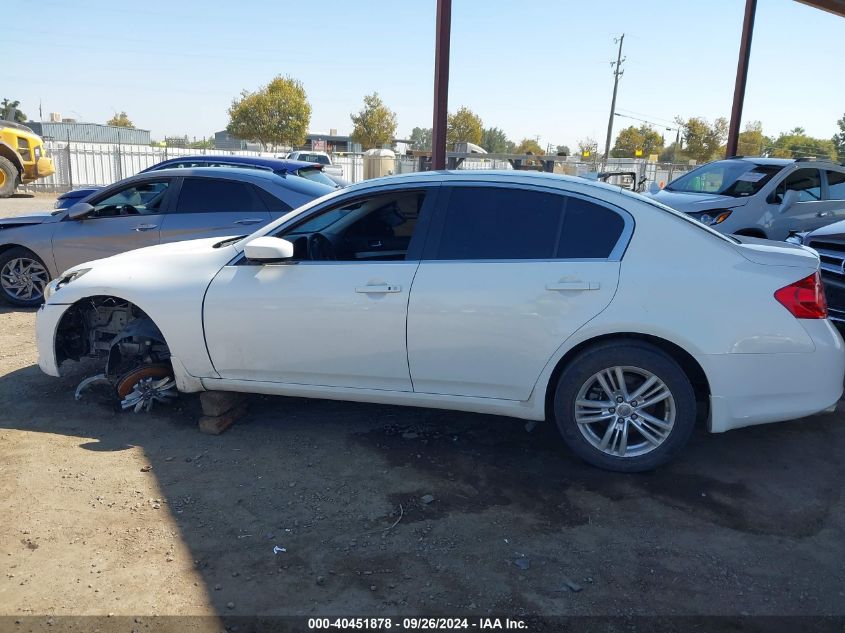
[538,68]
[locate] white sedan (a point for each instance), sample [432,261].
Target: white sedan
[519,294]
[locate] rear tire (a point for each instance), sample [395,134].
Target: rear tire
[8,177]
[23,278]
[630,428]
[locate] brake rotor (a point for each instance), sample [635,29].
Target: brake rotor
[142,387]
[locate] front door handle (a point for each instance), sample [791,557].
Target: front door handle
[145,227]
[574,285]
[249,221]
[378,289]
[823,214]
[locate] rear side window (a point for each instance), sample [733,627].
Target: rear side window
[205,195]
[836,185]
[590,231]
[499,223]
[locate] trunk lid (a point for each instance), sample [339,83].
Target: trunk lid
[771,253]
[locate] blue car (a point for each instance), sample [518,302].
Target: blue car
[309,171]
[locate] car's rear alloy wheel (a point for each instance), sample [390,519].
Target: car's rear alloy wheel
[625,406]
[23,278]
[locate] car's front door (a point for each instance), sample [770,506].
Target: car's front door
[808,212]
[212,207]
[507,276]
[123,219]
[335,314]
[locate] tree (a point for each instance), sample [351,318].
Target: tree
[839,140]
[421,139]
[494,140]
[10,109]
[120,120]
[205,143]
[562,150]
[375,125]
[632,139]
[587,147]
[529,146]
[275,114]
[703,140]
[796,144]
[751,140]
[464,126]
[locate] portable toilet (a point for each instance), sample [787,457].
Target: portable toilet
[378,163]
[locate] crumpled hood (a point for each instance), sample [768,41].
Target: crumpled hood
[696,202]
[25,220]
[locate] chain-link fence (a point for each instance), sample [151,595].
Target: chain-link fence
[99,164]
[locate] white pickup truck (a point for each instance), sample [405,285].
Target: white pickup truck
[329,168]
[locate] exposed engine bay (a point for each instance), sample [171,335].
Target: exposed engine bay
[137,358]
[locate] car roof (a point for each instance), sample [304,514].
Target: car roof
[486,176]
[261,161]
[230,173]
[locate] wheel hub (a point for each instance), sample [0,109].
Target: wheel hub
[23,278]
[625,411]
[142,387]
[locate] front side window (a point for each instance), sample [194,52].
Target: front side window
[807,182]
[378,228]
[836,185]
[735,178]
[498,223]
[207,195]
[139,199]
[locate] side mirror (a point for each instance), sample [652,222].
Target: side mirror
[79,210]
[653,187]
[789,199]
[268,249]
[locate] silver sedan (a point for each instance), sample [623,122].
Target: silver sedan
[151,208]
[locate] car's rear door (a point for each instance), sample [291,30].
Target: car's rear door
[509,273]
[124,218]
[211,207]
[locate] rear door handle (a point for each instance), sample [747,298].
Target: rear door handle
[145,227]
[249,221]
[378,289]
[574,285]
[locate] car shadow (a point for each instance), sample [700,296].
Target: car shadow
[385,509]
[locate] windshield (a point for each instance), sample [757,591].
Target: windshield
[316,174]
[734,178]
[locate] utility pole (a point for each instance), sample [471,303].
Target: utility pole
[617,73]
[441,83]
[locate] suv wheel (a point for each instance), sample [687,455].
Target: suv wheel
[627,407]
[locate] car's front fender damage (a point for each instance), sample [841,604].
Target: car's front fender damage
[138,365]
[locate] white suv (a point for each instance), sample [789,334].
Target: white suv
[760,197]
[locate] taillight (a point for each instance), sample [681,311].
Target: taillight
[804,298]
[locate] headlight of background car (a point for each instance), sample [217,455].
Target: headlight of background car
[712,218]
[63,280]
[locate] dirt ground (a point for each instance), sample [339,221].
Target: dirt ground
[104,512]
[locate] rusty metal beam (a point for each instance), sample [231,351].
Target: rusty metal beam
[441,84]
[741,76]
[837,7]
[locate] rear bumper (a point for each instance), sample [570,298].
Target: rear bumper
[749,389]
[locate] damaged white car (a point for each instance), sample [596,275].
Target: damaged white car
[511,293]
